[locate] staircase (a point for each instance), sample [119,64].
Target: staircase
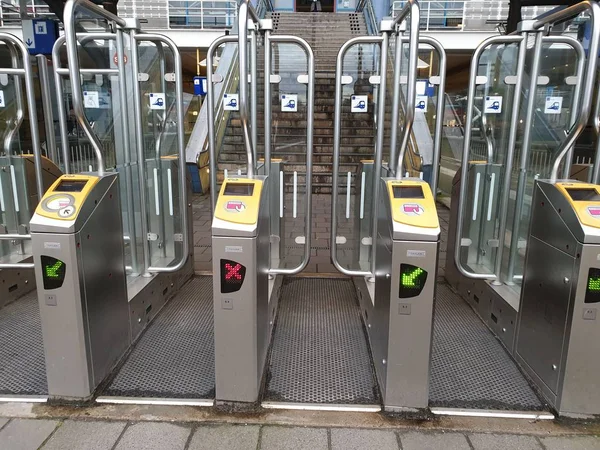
[325,33]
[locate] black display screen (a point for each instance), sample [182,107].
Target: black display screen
[70,186]
[584,195]
[408,192]
[239,189]
[53,272]
[412,280]
[232,276]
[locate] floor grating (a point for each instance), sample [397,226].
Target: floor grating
[320,353]
[174,358]
[470,368]
[22,363]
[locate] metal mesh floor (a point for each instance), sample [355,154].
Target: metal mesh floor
[319,352]
[174,357]
[22,364]
[470,368]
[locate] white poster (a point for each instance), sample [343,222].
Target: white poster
[289,103]
[230,102]
[421,103]
[91,99]
[553,105]
[493,104]
[2,103]
[157,100]
[359,103]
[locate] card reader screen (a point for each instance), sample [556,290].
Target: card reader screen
[239,189]
[70,186]
[408,192]
[584,195]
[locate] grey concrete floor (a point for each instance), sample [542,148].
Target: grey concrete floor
[31,434]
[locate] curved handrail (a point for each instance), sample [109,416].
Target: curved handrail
[588,86]
[410,8]
[466,148]
[337,130]
[245,10]
[74,70]
[183,200]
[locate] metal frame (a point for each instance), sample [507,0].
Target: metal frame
[16,46]
[512,139]
[310,101]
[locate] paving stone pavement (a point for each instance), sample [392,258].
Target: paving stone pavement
[33,434]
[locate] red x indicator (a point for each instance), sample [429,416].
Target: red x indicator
[232,276]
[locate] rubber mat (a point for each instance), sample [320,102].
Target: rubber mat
[22,363]
[319,351]
[174,357]
[470,368]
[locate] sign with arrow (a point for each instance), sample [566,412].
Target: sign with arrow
[39,36]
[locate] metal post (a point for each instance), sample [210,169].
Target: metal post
[596,171]
[11,133]
[141,154]
[576,92]
[254,92]
[135,269]
[47,105]
[413,59]
[525,147]
[395,103]
[379,143]
[267,113]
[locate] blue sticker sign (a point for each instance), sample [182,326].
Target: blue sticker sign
[39,36]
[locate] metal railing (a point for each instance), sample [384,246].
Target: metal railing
[10,12]
[469,15]
[201,14]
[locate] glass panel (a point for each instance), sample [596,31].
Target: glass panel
[489,145]
[159,119]
[358,134]
[288,144]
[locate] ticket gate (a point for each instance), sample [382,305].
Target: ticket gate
[401,317]
[77,241]
[244,310]
[557,330]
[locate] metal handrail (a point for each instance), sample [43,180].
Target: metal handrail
[586,106]
[411,8]
[337,126]
[183,200]
[310,114]
[578,47]
[245,10]
[595,172]
[512,39]
[59,73]
[47,105]
[74,69]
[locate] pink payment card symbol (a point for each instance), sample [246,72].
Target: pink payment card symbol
[412,209]
[235,206]
[594,211]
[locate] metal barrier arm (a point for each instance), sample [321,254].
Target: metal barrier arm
[467,145]
[337,126]
[411,7]
[183,200]
[74,70]
[245,9]
[27,73]
[588,86]
[596,171]
[310,115]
